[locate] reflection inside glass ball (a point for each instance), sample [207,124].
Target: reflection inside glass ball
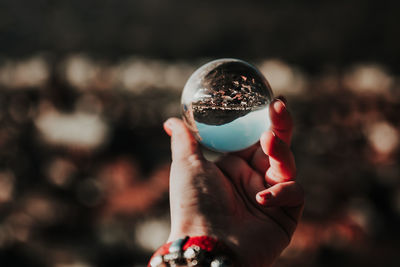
[225,105]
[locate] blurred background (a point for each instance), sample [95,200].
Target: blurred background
[86,85]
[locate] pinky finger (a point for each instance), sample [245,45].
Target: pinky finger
[287,194]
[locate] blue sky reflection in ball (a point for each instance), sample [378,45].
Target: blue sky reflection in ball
[225,104]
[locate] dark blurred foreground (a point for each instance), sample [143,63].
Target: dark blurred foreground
[84,161]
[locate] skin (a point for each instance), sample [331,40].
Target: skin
[248,199]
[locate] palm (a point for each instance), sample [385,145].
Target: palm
[230,201]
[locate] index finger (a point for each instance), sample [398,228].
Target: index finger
[281,120]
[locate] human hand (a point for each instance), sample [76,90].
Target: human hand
[248,199]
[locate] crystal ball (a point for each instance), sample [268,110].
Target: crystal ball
[225,105]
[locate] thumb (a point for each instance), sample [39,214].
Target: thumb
[183,144]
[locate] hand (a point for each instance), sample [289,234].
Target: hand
[247,199]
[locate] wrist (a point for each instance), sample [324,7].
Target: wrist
[247,253]
[195,227]
[192,226]
[194,251]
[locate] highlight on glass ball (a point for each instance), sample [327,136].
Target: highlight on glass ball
[225,105]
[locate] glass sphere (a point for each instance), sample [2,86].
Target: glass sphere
[225,105]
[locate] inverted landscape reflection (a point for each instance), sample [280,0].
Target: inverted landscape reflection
[235,135]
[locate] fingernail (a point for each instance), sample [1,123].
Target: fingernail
[265,195]
[282,98]
[168,127]
[279,106]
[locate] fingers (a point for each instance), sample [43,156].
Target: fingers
[288,194]
[234,167]
[282,167]
[281,125]
[183,144]
[281,120]
[241,175]
[260,161]
[248,153]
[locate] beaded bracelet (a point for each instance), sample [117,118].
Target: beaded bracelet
[192,251]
